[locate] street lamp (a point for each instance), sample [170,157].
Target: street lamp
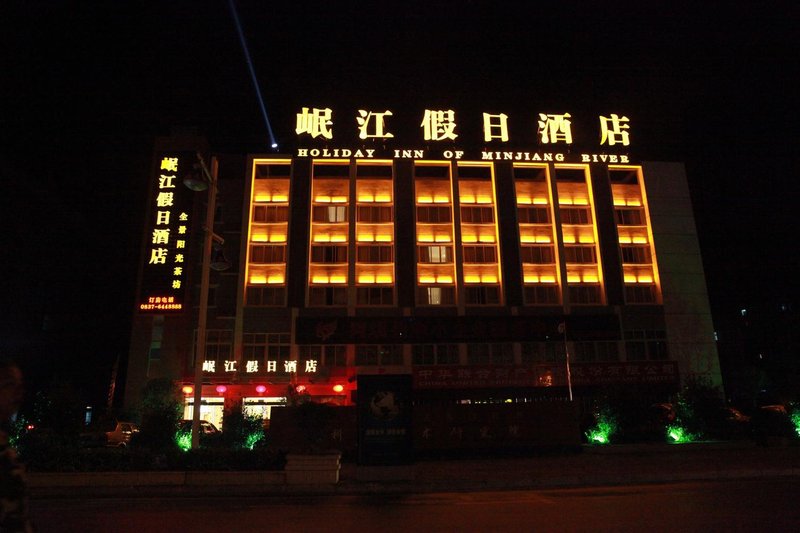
[211,241]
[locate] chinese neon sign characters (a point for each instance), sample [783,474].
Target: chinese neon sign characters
[252,366]
[163,277]
[442,125]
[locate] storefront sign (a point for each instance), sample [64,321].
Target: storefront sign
[167,233]
[443,125]
[546,375]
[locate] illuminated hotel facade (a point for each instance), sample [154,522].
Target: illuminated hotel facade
[476,272]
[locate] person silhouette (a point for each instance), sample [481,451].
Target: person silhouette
[13,487]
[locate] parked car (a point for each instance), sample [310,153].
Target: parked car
[206,427]
[121,435]
[108,432]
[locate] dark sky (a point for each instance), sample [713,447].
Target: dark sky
[86,86]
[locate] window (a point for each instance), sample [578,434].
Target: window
[379,354]
[480,254]
[584,294]
[156,336]
[477,215]
[575,215]
[264,253]
[265,296]
[542,294]
[254,348]
[435,254]
[374,213]
[433,214]
[494,354]
[435,354]
[629,217]
[325,296]
[533,352]
[436,295]
[330,213]
[329,254]
[636,254]
[328,356]
[533,215]
[374,253]
[640,294]
[580,254]
[374,296]
[485,295]
[539,255]
[335,356]
[642,345]
[270,213]
[219,344]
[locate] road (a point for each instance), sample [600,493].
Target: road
[736,505]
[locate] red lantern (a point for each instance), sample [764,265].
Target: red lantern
[187,390]
[221,389]
[261,389]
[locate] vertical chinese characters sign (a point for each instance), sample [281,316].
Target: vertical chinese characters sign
[166,238]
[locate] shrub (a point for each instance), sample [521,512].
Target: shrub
[161,411]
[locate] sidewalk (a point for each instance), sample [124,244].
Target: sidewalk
[611,465]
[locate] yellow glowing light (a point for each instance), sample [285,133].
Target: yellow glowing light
[274,198]
[319,279]
[444,279]
[427,279]
[366,278]
[424,199]
[540,201]
[383,238]
[645,279]
[338,278]
[258,280]
[260,237]
[569,239]
[640,240]
[524,200]
[489,278]
[573,278]
[383,278]
[441,199]
[469,238]
[472,279]
[425,238]
[322,199]
[624,239]
[590,278]
[443,238]
[548,279]
[586,239]
[630,278]
[486,238]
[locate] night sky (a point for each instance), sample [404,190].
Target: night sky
[85,88]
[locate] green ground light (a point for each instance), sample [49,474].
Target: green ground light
[183,440]
[252,439]
[678,435]
[601,433]
[795,418]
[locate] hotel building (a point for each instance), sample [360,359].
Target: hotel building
[486,275]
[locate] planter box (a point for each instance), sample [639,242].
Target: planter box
[312,469]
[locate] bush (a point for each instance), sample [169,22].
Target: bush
[242,431]
[161,411]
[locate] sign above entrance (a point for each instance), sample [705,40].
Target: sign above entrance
[437,125]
